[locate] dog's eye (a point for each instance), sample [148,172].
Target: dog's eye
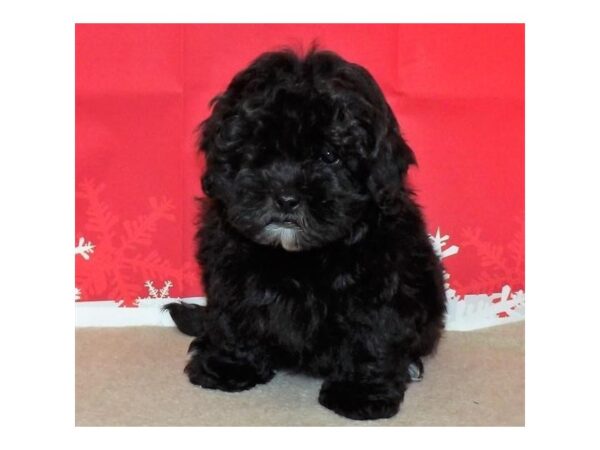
[329,157]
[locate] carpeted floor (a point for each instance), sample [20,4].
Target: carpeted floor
[134,377]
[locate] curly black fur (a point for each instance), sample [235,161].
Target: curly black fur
[315,256]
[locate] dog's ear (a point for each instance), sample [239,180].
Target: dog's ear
[209,134]
[218,137]
[206,134]
[225,131]
[388,155]
[390,159]
[207,184]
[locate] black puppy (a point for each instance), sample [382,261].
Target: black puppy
[315,256]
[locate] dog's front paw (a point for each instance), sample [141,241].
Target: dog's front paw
[225,374]
[360,401]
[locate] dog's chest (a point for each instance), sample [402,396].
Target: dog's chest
[294,302]
[297,324]
[304,305]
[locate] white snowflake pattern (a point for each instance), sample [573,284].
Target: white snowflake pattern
[438,242]
[156,297]
[84,248]
[484,310]
[476,310]
[157,293]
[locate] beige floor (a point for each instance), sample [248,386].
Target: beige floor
[133,377]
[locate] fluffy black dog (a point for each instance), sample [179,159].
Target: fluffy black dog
[315,256]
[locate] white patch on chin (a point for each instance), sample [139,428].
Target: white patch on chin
[287,237]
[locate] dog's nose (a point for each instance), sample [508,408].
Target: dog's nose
[287,202]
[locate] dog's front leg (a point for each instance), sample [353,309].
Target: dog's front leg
[226,365]
[365,384]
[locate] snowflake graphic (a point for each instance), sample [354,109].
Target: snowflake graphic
[123,251]
[480,308]
[509,303]
[498,262]
[156,293]
[156,297]
[438,242]
[84,248]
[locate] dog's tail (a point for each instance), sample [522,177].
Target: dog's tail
[187,316]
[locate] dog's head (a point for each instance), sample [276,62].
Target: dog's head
[300,149]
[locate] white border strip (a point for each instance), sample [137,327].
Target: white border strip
[479,323]
[109,313]
[149,313]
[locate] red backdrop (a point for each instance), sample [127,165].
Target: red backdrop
[457,91]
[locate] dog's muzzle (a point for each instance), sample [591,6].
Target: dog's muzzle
[285,233]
